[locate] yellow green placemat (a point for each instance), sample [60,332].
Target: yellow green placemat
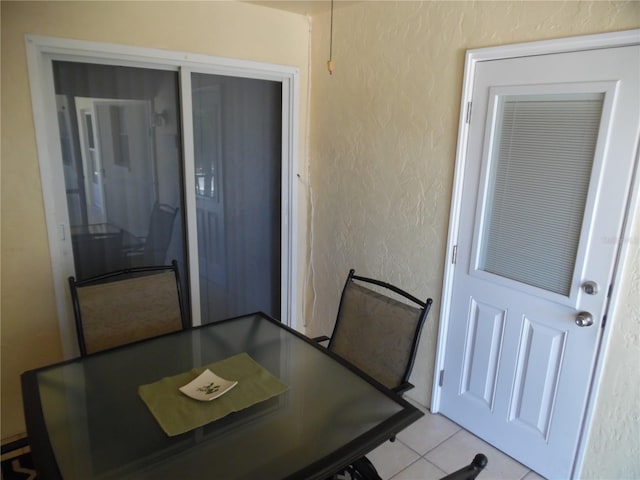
[176,413]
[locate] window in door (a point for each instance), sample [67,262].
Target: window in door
[545,145]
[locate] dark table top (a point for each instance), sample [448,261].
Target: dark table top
[86,420]
[105,230]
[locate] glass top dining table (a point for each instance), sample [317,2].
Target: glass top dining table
[85,418]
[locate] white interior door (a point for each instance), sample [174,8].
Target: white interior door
[550,153]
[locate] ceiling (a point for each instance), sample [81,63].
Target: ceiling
[303,7]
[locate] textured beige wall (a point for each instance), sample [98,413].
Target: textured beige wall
[613,450]
[382,154]
[29,325]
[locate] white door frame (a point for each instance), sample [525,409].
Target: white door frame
[42,50]
[473,57]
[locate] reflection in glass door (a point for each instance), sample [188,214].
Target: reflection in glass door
[237,128]
[122,164]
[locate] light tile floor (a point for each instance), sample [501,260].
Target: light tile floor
[434,446]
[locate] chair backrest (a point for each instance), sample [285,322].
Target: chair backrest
[159,234]
[126,306]
[379,333]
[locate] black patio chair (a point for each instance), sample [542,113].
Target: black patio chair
[152,250]
[126,306]
[363,469]
[378,331]
[471,471]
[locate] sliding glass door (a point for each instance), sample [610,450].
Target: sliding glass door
[143,161]
[237,138]
[123,164]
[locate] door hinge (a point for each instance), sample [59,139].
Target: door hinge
[441,378]
[468,120]
[454,254]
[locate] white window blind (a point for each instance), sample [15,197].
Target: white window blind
[541,168]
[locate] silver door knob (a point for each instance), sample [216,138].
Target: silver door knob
[584,319]
[590,288]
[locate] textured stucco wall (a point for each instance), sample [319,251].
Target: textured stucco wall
[382,154]
[30,336]
[613,449]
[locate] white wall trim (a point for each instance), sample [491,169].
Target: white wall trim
[190,193]
[42,49]
[56,216]
[157,58]
[289,213]
[579,43]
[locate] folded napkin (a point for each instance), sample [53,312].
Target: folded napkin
[176,413]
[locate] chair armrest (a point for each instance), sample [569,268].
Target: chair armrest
[470,471]
[322,338]
[403,387]
[15,445]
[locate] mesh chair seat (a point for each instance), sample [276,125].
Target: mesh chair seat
[379,333]
[376,333]
[126,306]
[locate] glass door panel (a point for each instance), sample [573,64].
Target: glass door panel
[122,163]
[237,129]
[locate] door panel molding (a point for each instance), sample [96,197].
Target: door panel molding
[538,342]
[486,322]
[554,342]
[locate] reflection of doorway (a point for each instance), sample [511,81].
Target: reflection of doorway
[207,140]
[237,134]
[91,165]
[129,175]
[117,158]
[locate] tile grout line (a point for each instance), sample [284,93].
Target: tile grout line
[443,441]
[459,429]
[409,447]
[406,466]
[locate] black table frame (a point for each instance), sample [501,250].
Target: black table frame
[46,464]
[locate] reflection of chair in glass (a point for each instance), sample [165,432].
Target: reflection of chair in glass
[126,306]
[153,250]
[378,333]
[96,250]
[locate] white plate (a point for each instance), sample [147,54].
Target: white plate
[207,386]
